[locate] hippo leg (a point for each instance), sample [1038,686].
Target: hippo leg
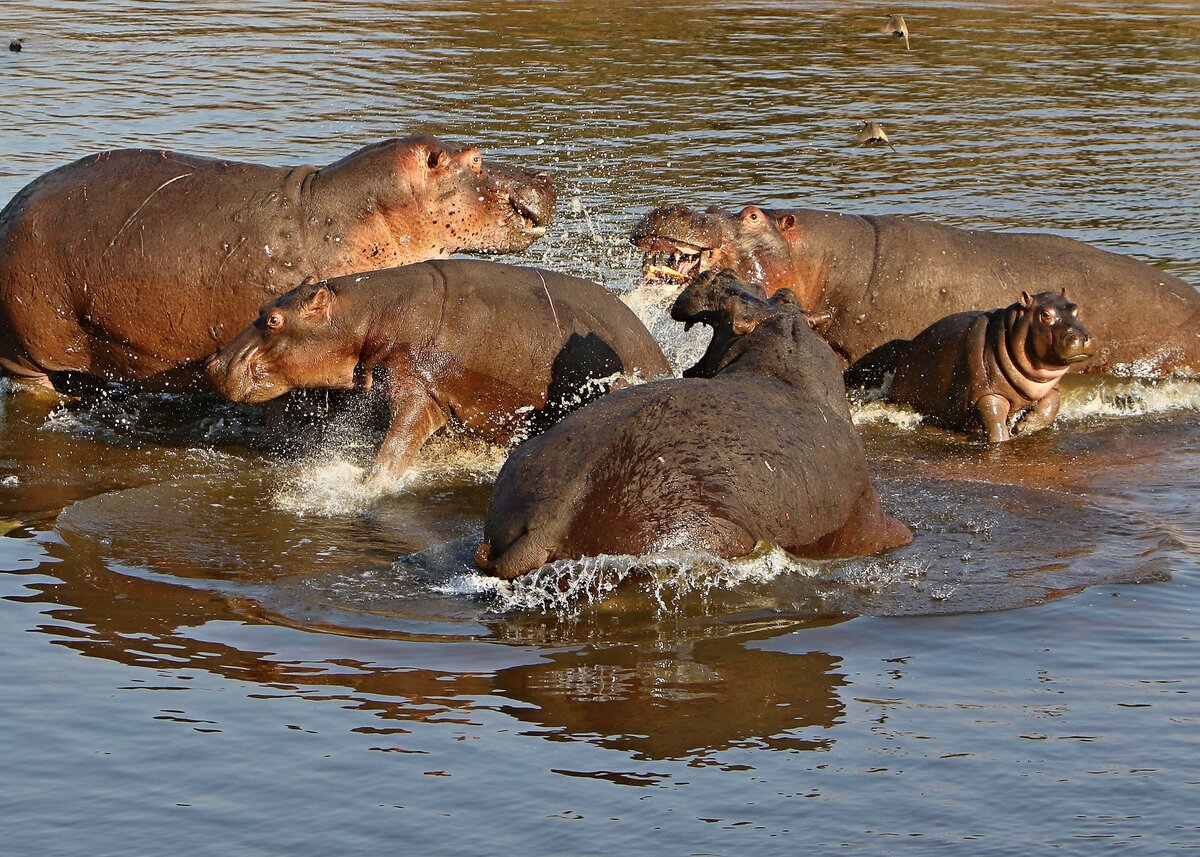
[415,416]
[993,411]
[1040,416]
[23,373]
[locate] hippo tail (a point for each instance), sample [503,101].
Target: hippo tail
[870,370]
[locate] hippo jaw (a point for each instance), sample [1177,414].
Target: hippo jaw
[679,244]
[526,201]
[673,261]
[241,375]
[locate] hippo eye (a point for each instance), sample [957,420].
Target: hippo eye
[1048,316]
[274,321]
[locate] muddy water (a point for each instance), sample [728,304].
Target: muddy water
[206,649]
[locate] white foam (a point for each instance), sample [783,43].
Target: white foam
[333,485]
[1122,397]
[566,587]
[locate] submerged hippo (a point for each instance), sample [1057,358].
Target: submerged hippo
[875,279]
[498,350]
[129,264]
[982,369]
[760,447]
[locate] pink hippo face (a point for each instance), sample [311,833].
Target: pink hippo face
[294,343]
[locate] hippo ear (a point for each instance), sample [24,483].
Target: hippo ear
[786,222]
[318,305]
[1064,291]
[1026,300]
[437,159]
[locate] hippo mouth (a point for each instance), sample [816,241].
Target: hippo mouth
[669,260]
[530,221]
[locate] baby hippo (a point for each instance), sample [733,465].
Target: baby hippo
[499,351]
[757,445]
[981,369]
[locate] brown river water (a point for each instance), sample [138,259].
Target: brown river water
[209,649]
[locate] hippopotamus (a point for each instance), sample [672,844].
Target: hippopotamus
[982,369]
[498,350]
[757,445]
[129,264]
[874,279]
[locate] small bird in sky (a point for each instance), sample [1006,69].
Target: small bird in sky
[872,134]
[896,26]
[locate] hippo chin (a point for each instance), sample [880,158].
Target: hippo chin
[975,370]
[875,279]
[129,264]
[500,351]
[757,445]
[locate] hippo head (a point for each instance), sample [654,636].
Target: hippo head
[732,308]
[1053,335]
[681,243]
[448,199]
[294,343]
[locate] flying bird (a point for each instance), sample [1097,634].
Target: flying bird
[872,134]
[895,26]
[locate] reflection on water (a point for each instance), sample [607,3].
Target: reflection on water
[223,633]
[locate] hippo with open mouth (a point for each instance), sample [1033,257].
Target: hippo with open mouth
[130,264]
[875,279]
[756,445]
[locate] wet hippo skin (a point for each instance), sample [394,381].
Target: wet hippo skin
[498,350]
[876,279]
[974,370]
[129,264]
[757,445]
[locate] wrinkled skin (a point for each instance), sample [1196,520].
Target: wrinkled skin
[130,264]
[975,370]
[875,279]
[500,351]
[759,448]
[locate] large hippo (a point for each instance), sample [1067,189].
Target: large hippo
[129,264]
[500,351]
[758,445]
[975,370]
[875,279]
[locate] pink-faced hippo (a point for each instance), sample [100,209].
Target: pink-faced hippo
[875,279]
[130,264]
[757,445]
[499,351]
[981,370]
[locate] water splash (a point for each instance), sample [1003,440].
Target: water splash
[332,484]
[566,588]
[652,305]
[1121,397]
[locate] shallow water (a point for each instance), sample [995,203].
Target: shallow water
[208,649]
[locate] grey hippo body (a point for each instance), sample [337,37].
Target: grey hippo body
[130,264]
[763,448]
[499,351]
[879,278]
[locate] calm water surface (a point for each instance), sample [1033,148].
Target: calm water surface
[205,649]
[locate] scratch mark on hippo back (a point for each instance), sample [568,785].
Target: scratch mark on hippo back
[546,289]
[138,211]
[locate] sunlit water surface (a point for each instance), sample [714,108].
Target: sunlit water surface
[208,649]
